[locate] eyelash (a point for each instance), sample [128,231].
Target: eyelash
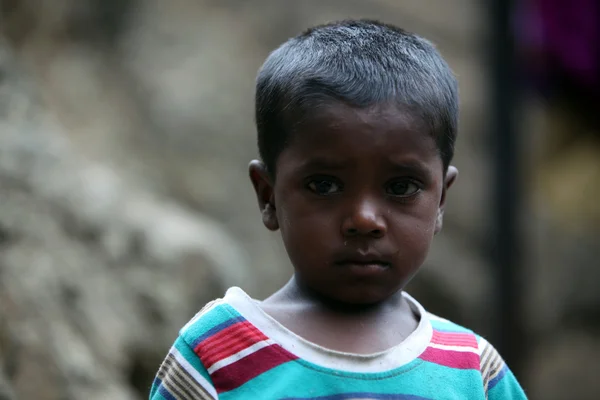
[317,180]
[332,181]
[406,181]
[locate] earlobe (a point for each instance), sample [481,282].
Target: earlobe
[263,187]
[449,179]
[269,218]
[439,222]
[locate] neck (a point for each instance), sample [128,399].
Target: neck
[294,293]
[351,328]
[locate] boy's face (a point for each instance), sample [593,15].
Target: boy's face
[358,197]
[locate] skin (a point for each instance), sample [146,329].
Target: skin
[359,195]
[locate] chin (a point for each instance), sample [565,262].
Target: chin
[364,297]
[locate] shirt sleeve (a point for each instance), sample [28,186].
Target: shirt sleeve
[499,382]
[182,376]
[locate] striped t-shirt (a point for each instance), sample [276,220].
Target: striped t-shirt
[232,349]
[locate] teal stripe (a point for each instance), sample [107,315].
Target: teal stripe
[295,379]
[369,395]
[156,389]
[191,357]
[449,327]
[158,396]
[507,388]
[329,372]
[216,316]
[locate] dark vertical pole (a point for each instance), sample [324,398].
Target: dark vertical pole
[506,188]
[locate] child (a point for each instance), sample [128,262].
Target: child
[356,125]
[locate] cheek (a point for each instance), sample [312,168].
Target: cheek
[414,233]
[414,237]
[307,234]
[297,215]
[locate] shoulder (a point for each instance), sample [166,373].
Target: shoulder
[214,317]
[445,325]
[450,333]
[221,329]
[490,363]
[452,345]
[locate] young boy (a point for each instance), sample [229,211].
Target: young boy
[356,126]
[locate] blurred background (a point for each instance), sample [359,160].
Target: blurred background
[126,127]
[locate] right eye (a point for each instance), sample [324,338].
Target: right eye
[324,187]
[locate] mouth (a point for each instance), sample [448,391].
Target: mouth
[364,262]
[363,269]
[357,256]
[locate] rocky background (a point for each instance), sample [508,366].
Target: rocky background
[125,132]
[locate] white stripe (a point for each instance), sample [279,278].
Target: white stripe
[434,317]
[467,349]
[482,344]
[193,373]
[239,355]
[402,354]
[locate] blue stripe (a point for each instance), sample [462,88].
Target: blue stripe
[216,329]
[165,393]
[156,382]
[154,388]
[452,330]
[449,327]
[498,377]
[373,396]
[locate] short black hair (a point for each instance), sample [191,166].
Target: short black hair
[360,63]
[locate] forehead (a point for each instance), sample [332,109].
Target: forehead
[344,133]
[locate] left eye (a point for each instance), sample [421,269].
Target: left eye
[402,188]
[324,187]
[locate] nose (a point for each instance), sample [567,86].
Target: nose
[364,220]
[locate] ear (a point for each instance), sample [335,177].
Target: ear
[263,186]
[449,180]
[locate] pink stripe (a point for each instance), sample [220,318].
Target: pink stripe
[452,359]
[236,374]
[454,339]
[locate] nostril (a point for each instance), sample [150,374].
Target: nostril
[352,231]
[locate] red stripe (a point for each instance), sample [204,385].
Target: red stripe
[233,330]
[452,359]
[454,339]
[245,339]
[236,344]
[236,374]
[221,338]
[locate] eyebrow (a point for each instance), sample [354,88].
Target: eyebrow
[411,167]
[408,166]
[331,164]
[322,164]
